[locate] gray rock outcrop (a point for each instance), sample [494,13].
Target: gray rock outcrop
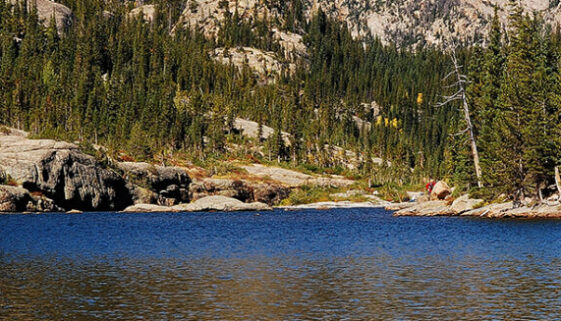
[209,203]
[464,204]
[47,9]
[147,12]
[431,208]
[245,191]
[295,179]
[440,191]
[156,184]
[62,173]
[221,203]
[264,64]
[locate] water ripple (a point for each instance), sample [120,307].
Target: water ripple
[313,265]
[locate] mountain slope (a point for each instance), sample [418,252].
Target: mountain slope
[393,21]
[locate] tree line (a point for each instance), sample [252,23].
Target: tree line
[515,98]
[139,89]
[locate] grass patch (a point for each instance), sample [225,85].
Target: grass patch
[221,168]
[395,193]
[310,194]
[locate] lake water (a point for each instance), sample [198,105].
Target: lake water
[359,264]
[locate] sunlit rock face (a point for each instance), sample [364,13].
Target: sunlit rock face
[432,22]
[47,9]
[147,12]
[263,64]
[207,15]
[63,173]
[407,22]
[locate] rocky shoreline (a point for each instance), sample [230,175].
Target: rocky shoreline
[441,203]
[42,175]
[465,206]
[206,204]
[50,176]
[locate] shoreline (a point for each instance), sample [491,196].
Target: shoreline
[220,207]
[404,209]
[471,208]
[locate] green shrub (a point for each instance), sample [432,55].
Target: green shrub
[393,193]
[486,193]
[310,194]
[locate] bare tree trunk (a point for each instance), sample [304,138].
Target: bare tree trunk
[461,95]
[474,151]
[558,180]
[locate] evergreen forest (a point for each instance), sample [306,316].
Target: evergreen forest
[147,91]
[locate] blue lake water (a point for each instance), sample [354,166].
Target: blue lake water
[359,264]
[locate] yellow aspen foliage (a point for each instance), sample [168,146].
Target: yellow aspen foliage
[394,123]
[419,98]
[378,120]
[386,122]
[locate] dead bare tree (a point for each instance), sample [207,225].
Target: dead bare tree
[558,180]
[460,83]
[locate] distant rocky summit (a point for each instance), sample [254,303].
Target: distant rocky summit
[398,21]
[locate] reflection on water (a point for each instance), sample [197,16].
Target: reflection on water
[355,265]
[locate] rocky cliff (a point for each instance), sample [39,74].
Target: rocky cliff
[61,173]
[429,21]
[153,184]
[398,21]
[46,175]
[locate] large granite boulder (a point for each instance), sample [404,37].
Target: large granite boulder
[148,208]
[156,184]
[205,204]
[440,191]
[62,173]
[223,187]
[220,203]
[431,208]
[464,204]
[270,193]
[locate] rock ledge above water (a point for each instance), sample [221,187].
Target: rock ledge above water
[210,203]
